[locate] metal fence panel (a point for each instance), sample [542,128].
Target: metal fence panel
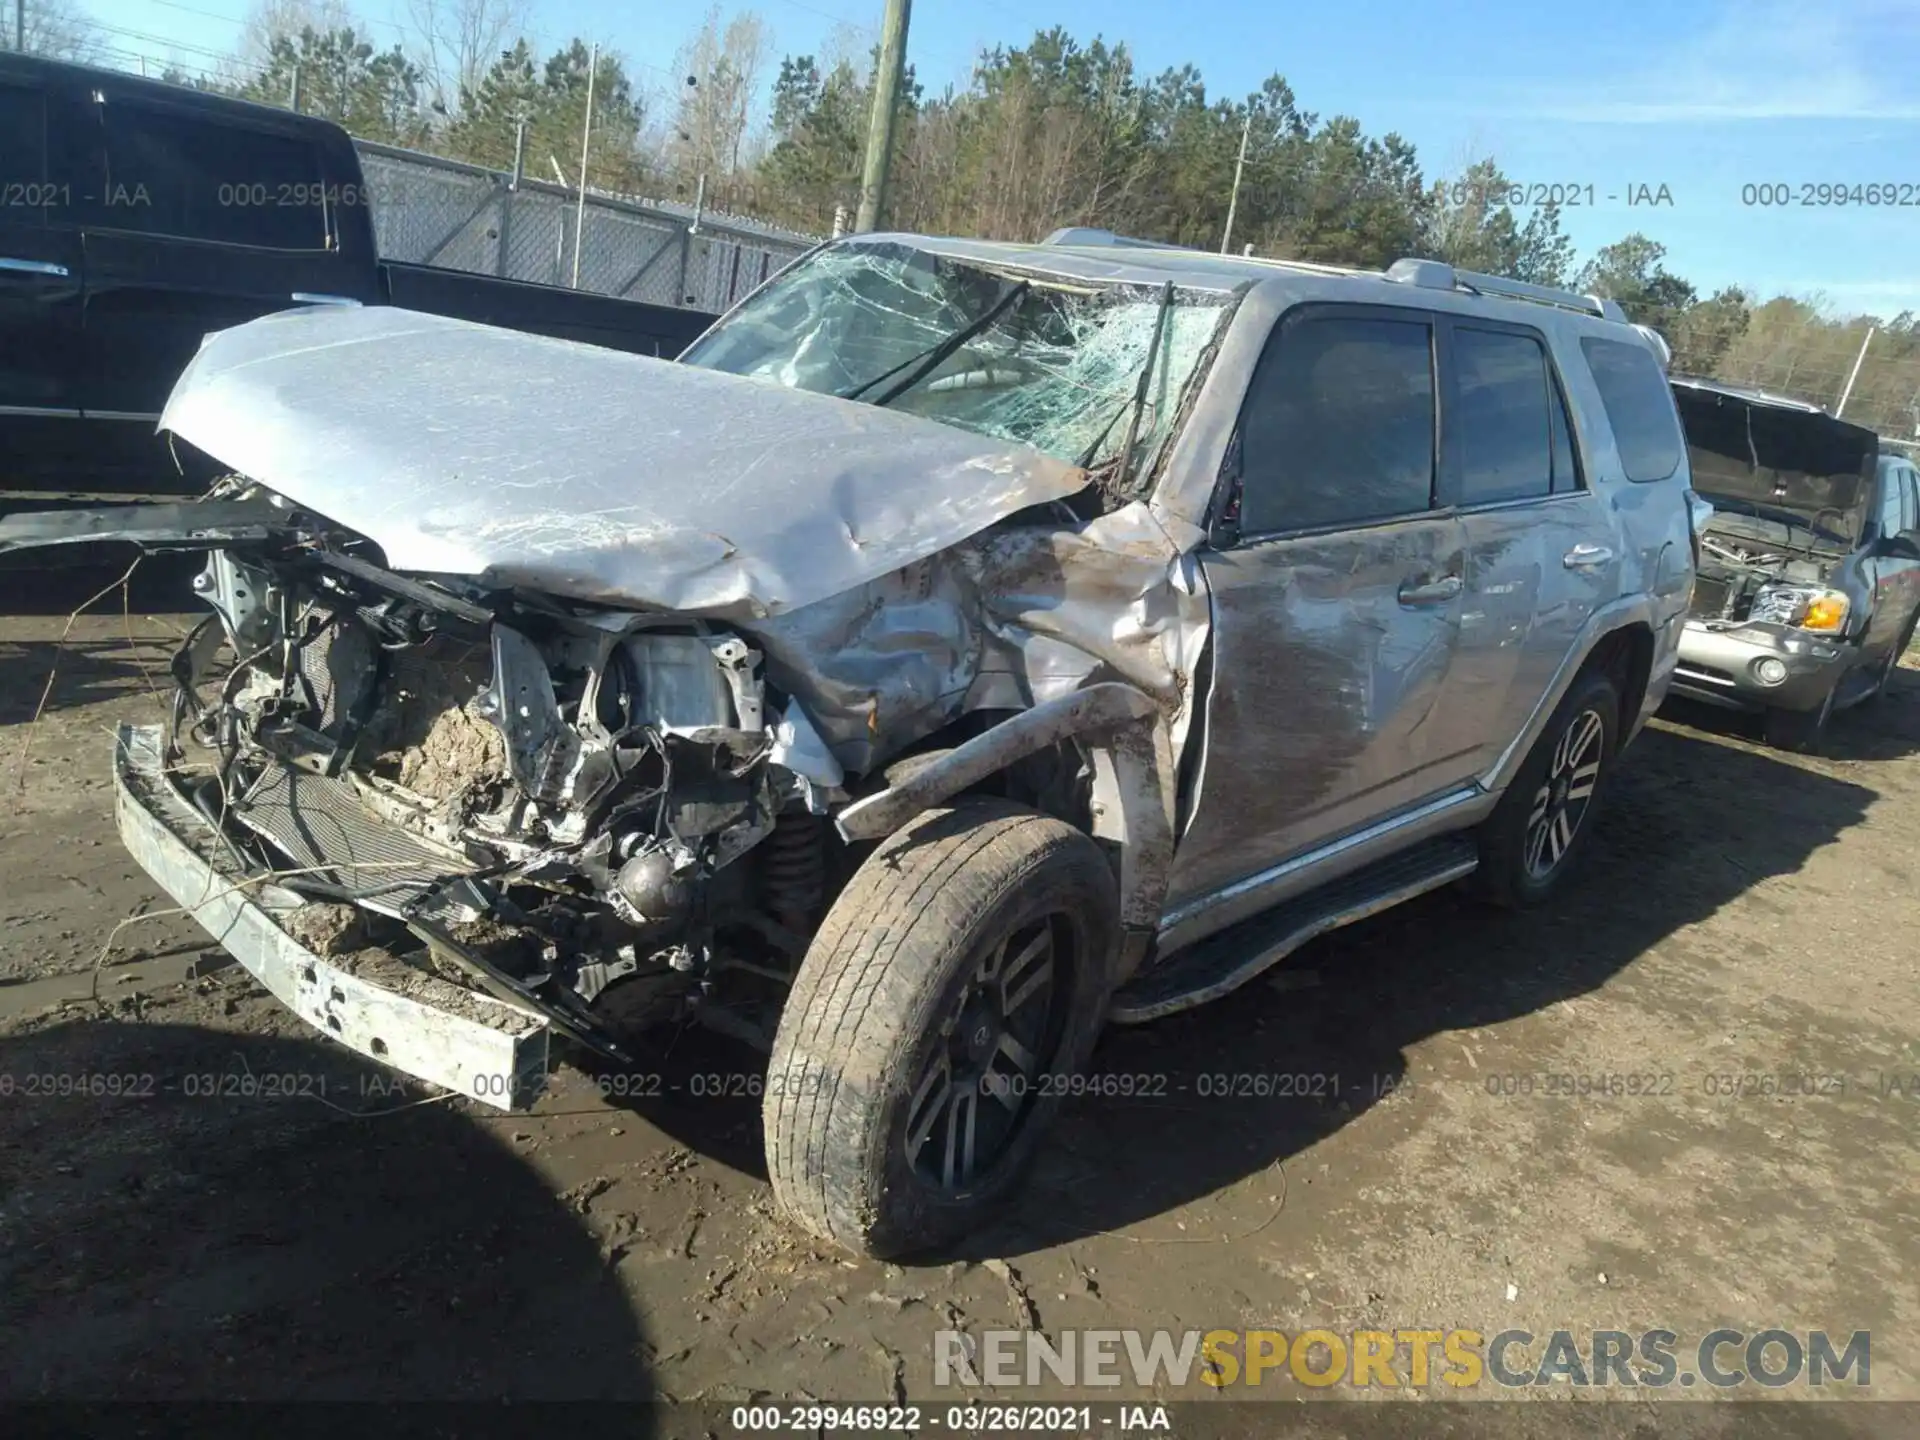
[434,211]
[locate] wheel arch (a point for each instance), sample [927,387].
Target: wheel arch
[1123,731]
[1626,655]
[1619,639]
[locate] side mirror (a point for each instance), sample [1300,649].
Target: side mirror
[1904,546]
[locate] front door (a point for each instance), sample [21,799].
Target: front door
[1893,573]
[1336,587]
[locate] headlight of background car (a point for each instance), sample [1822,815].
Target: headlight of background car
[1807,607]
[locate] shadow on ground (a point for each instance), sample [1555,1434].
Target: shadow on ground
[1690,823]
[162,583]
[107,656]
[84,672]
[1887,728]
[262,1245]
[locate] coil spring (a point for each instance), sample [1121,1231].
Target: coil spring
[793,867]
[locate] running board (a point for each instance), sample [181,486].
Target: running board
[1223,963]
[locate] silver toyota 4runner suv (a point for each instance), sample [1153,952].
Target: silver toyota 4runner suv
[965,646]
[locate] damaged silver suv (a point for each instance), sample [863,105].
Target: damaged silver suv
[964,646]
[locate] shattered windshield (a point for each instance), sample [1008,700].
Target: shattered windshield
[1046,362]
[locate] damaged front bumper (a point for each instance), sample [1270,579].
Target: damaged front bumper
[423,1026]
[1751,665]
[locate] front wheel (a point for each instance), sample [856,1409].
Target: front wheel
[1892,663]
[953,991]
[1529,842]
[1798,729]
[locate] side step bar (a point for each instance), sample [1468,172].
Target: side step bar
[1223,963]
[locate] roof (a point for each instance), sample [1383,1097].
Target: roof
[1133,263]
[162,90]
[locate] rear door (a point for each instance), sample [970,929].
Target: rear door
[1540,552]
[201,219]
[40,287]
[1336,586]
[1909,586]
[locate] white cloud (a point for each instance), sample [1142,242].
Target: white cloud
[1754,63]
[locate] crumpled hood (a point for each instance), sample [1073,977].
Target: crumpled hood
[520,460]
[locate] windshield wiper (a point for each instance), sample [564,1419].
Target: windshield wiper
[1133,407]
[930,360]
[1140,391]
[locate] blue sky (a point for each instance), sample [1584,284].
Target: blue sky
[1702,98]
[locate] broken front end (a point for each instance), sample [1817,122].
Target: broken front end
[605,820]
[1776,596]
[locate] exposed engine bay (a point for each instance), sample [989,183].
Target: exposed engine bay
[1734,569]
[609,816]
[1788,484]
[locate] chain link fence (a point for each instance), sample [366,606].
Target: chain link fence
[434,211]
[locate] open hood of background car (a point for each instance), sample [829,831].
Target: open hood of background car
[1778,455]
[525,461]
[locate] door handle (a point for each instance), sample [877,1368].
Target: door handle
[310,297]
[1432,592]
[33,267]
[1586,557]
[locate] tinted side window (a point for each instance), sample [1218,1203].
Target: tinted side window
[1891,520]
[23,153]
[1338,425]
[1896,500]
[1639,406]
[171,174]
[1502,415]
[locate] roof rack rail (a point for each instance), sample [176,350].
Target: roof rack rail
[1089,235]
[1438,275]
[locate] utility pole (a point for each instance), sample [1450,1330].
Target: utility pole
[20,26]
[293,86]
[1233,199]
[886,104]
[586,136]
[1854,374]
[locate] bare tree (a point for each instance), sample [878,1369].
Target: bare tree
[268,20]
[721,72]
[58,28]
[457,41]
[746,49]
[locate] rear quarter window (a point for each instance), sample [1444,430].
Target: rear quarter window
[1639,406]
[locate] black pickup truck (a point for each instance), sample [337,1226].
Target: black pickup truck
[136,217]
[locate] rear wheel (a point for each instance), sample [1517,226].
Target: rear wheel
[1528,844]
[958,980]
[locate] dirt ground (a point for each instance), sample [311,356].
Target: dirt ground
[1742,914]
